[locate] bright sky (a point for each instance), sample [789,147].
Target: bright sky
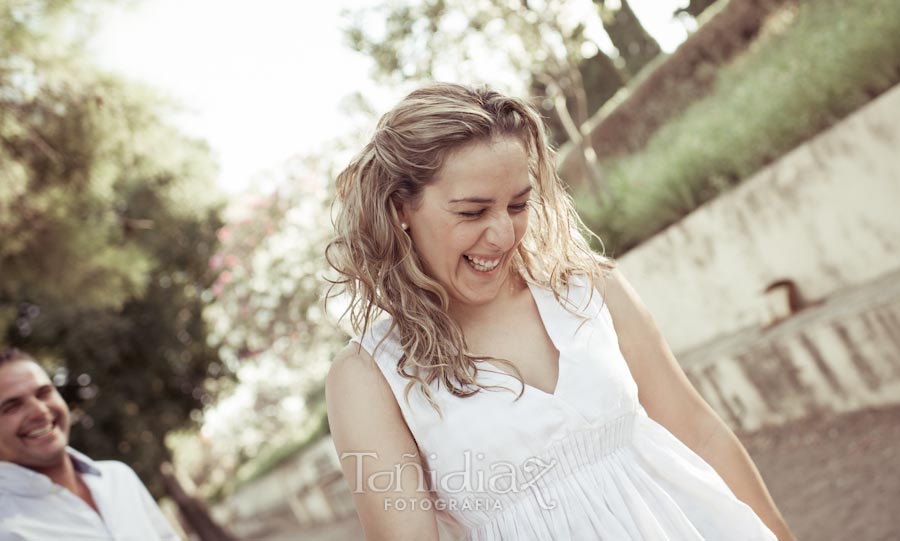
[261,80]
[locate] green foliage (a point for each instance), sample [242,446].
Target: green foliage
[317,426]
[108,224]
[813,64]
[268,319]
[509,45]
[546,47]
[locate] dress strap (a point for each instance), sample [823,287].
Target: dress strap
[385,349]
[563,317]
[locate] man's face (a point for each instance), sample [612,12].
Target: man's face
[34,419]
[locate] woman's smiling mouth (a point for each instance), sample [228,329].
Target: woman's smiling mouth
[482,265]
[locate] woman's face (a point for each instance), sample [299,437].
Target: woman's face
[471,218]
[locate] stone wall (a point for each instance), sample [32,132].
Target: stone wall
[306,491]
[825,216]
[840,356]
[824,222]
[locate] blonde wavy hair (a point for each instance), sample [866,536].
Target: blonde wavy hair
[379,270]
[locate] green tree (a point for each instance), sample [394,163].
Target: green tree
[108,221]
[540,43]
[268,314]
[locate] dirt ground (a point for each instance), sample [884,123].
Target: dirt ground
[835,479]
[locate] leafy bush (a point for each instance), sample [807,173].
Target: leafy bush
[812,65]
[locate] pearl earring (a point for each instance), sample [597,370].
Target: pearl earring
[404,226]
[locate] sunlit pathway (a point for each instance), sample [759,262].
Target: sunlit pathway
[348,530]
[835,479]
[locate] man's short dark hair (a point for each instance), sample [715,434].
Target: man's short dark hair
[9,355]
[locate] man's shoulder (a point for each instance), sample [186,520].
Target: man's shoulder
[114,468]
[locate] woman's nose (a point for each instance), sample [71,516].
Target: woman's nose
[500,232]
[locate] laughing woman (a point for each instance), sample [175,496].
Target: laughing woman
[506,382]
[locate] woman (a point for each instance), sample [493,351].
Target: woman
[516,387]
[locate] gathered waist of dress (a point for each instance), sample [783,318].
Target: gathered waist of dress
[536,477]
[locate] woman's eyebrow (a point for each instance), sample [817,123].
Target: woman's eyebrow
[487,200]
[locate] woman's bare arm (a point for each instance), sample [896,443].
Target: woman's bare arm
[378,453]
[671,400]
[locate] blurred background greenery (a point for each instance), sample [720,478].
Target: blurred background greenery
[107,224]
[179,320]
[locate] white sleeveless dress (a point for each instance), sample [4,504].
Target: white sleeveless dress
[582,463]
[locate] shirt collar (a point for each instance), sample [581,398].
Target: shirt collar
[82,463]
[20,480]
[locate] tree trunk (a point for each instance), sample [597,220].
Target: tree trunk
[575,131]
[194,513]
[636,46]
[695,7]
[601,79]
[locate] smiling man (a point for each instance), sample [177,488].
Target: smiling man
[50,492]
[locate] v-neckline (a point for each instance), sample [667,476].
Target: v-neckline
[559,351]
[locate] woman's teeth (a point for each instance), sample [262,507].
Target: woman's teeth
[483,265]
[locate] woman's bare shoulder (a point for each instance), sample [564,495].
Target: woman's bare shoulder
[371,437]
[352,358]
[354,380]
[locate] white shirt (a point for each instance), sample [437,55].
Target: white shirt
[34,508]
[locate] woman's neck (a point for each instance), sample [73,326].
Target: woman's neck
[469,316]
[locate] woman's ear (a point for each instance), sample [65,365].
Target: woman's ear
[400,210]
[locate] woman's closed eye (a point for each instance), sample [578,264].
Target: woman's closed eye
[518,207]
